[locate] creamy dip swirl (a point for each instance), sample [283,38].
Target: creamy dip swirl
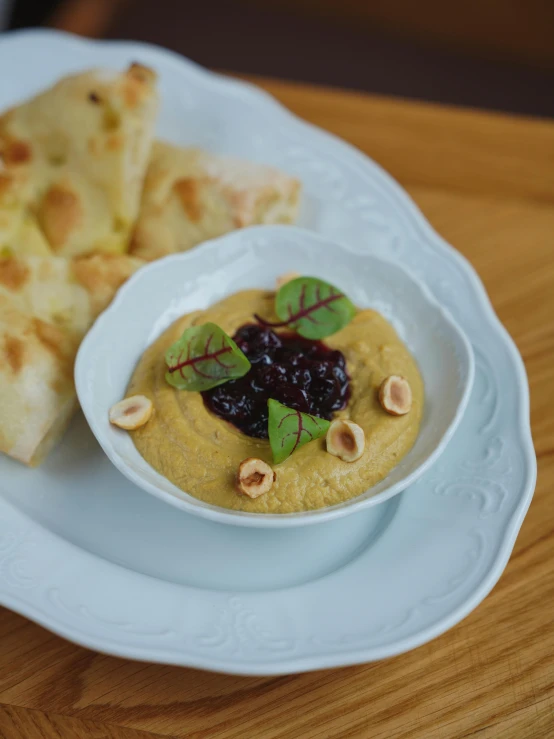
[200,453]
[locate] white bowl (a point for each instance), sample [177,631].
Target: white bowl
[164,290]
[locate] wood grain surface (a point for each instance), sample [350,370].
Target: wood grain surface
[487,184]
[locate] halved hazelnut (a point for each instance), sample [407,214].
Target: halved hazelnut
[395,395]
[345,440]
[255,477]
[287,277]
[131,413]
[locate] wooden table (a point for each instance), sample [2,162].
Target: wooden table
[487,184]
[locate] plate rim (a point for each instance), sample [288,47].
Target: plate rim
[418,221]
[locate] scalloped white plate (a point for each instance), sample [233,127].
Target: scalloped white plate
[92,557]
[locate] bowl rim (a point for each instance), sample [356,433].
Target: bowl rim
[218,514]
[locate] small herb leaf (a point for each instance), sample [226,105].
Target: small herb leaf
[289,429]
[204,357]
[313,308]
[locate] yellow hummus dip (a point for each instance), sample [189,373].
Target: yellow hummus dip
[201,453]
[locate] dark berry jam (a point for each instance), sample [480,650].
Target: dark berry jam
[302,374]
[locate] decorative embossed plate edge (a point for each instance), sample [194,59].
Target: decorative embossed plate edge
[66,595]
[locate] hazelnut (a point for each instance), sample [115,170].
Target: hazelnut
[395,395]
[255,477]
[131,413]
[287,277]
[345,440]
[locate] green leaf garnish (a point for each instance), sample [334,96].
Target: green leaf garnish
[289,429]
[311,307]
[204,357]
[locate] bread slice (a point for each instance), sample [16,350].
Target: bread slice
[46,306]
[73,161]
[192,195]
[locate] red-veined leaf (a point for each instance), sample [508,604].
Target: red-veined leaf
[204,357]
[290,429]
[311,307]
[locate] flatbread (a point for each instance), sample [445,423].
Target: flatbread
[73,161]
[192,195]
[46,306]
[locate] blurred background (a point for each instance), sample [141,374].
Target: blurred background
[493,54]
